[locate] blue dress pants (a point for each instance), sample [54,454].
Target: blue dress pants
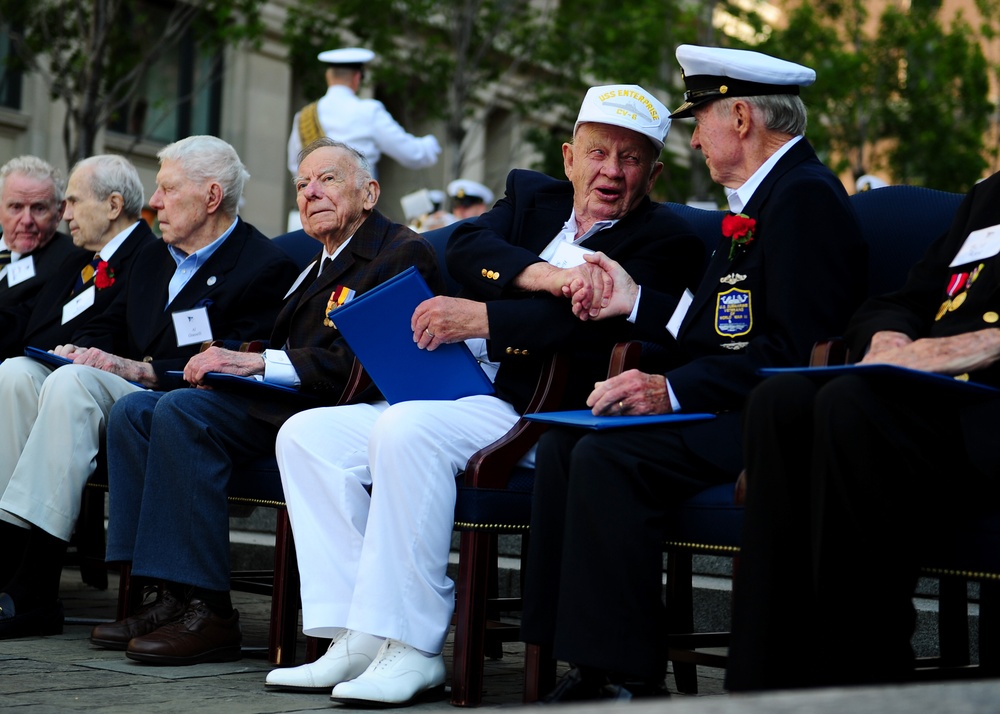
[170,458]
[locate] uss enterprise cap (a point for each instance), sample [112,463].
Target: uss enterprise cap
[629,106]
[464,188]
[347,55]
[712,73]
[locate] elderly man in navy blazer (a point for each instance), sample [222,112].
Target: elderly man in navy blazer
[377,582]
[32,200]
[212,276]
[171,455]
[104,199]
[788,270]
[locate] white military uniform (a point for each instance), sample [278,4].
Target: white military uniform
[366,125]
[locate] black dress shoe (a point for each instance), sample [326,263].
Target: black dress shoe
[116,635]
[43,620]
[583,685]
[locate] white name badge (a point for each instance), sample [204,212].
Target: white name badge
[981,244]
[78,304]
[21,270]
[298,280]
[674,323]
[568,255]
[192,326]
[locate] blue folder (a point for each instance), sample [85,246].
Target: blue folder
[247,386]
[584,419]
[49,358]
[376,325]
[916,377]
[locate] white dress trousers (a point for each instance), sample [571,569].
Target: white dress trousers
[49,439]
[377,563]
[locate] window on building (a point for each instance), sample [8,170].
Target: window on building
[10,74]
[181,94]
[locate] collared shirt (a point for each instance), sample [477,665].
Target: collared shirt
[739,198]
[568,235]
[14,256]
[187,265]
[115,243]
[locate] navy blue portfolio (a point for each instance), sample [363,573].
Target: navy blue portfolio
[376,324]
[584,419]
[930,380]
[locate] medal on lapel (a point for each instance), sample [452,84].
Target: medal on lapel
[338,297]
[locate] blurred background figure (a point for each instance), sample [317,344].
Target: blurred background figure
[469,198]
[868,182]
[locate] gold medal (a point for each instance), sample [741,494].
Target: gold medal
[990,317]
[956,302]
[942,310]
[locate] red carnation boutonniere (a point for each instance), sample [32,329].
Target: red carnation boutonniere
[105,276]
[740,228]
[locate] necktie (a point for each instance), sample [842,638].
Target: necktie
[87,273]
[4,257]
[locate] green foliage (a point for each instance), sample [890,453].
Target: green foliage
[910,102]
[95,55]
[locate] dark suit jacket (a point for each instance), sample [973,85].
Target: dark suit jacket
[48,261]
[38,322]
[655,246]
[241,285]
[913,310]
[378,251]
[801,278]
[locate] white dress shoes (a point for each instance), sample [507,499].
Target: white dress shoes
[398,675]
[349,655]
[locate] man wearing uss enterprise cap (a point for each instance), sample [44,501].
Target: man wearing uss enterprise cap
[514,264]
[363,124]
[787,271]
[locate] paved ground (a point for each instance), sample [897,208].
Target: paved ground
[65,673]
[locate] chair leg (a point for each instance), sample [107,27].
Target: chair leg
[680,615]
[989,627]
[129,596]
[493,646]
[953,622]
[89,538]
[281,640]
[470,618]
[315,648]
[539,672]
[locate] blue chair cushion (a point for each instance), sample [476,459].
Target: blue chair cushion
[496,509]
[708,519]
[258,481]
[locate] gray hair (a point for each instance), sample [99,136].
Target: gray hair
[784,113]
[210,159]
[115,174]
[38,169]
[361,161]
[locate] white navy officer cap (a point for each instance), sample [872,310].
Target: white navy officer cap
[712,73]
[436,195]
[464,188]
[629,106]
[347,55]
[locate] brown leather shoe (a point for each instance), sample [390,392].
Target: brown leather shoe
[116,635]
[199,635]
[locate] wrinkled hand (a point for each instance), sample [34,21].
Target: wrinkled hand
[631,392]
[217,359]
[957,354]
[441,320]
[129,369]
[618,299]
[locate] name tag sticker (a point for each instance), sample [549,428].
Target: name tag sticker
[674,324]
[23,269]
[979,245]
[78,304]
[568,255]
[192,326]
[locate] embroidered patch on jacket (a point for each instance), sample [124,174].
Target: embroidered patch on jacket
[733,316]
